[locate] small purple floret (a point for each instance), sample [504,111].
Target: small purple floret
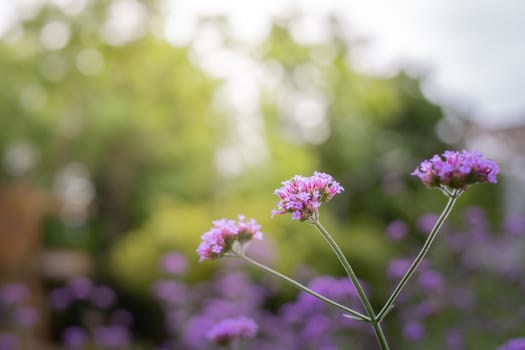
[396,230]
[302,196]
[457,170]
[9,341]
[74,337]
[174,263]
[414,331]
[231,329]
[26,316]
[224,233]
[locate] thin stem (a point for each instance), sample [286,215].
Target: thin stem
[454,194]
[380,336]
[346,265]
[296,284]
[351,274]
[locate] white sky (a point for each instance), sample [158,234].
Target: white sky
[472,50]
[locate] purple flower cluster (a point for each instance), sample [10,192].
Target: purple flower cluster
[9,341]
[194,314]
[226,296]
[458,287]
[302,196]
[82,289]
[396,230]
[232,329]
[514,344]
[224,233]
[108,330]
[16,315]
[456,170]
[174,264]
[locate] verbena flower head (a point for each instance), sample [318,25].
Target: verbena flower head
[302,196]
[220,239]
[232,329]
[456,170]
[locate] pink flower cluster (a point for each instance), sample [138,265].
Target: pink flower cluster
[231,329]
[220,238]
[302,196]
[456,170]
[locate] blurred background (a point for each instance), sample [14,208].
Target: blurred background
[127,126]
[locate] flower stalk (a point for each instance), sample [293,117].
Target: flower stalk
[355,314]
[454,194]
[451,172]
[374,320]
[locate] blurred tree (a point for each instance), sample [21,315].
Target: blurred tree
[137,118]
[368,132]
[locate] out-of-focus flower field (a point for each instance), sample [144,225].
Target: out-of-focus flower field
[120,145]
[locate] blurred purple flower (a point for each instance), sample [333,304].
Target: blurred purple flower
[316,326]
[515,225]
[456,170]
[302,196]
[277,334]
[414,331]
[462,298]
[195,330]
[396,230]
[425,309]
[306,306]
[174,263]
[220,238]
[80,287]
[430,280]
[231,329]
[514,344]
[13,293]
[456,241]
[9,341]
[426,222]
[455,339]
[237,286]
[114,336]
[103,296]
[173,319]
[218,308]
[60,298]
[476,218]
[170,291]
[334,288]
[398,267]
[26,316]
[74,337]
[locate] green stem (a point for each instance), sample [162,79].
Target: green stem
[351,274]
[454,194]
[296,284]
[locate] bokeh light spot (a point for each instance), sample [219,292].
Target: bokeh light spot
[55,35]
[89,61]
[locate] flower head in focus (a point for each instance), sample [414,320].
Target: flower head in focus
[302,196]
[231,329]
[456,170]
[220,239]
